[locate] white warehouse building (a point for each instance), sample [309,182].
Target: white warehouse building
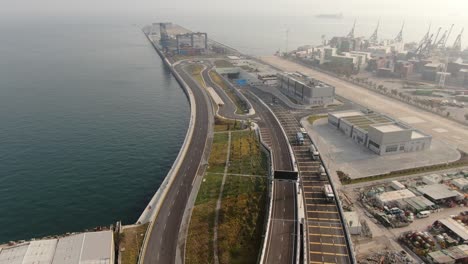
[379,133]
[305,89]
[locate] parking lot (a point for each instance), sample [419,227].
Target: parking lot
[342,153]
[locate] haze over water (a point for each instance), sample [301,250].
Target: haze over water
[91,121]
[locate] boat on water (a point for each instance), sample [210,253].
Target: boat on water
[330,16]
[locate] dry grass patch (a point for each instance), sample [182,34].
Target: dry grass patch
[130,241]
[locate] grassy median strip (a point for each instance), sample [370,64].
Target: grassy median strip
[223,125]
[314,118]
[195,70]
[243,203]
[240,105]
[241,219]
[246,155]
[130,241]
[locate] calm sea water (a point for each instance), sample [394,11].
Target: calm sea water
[90,123]
[91,120]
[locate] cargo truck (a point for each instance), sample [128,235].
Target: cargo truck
[314,152]
[299,138]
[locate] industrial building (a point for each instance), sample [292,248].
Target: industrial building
[439,193]
[394,196]
[192,43]
[417,204]
[454,228]
[83,248]
[379,133]
[305,89]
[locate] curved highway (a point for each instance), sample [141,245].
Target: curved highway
[228,110]
[280,247]
[163,238]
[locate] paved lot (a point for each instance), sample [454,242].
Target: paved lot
[358,161]
[440,128]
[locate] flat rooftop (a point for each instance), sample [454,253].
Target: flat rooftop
[437,191]
[83,248]
[389,128]
[395,195]
[364,121]
[346,114]
[417,134]
[455,227]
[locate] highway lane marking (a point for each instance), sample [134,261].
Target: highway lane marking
[282,219]
[325,227]
[328,253]
[324,219]
[312,192]
[325,235]
[326,205]
[327,244]
[324,212]
[318,262]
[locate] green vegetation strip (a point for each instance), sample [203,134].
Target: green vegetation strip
[314,118]
[243,204]
[240,105]
[223,64]
[223,125]
[246,155]
[130,241]
[195,70]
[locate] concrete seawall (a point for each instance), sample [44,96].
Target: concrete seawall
[155,203]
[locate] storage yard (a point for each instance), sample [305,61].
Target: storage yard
[400,203]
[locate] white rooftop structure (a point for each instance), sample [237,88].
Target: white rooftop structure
[13,255]
[84,248]
[40,252]
[385,128]
[457,228]
[34,252]
[215,96]
[461,183]
[432,179]
[416,135]
[438,191]
[346,114]
[395,195]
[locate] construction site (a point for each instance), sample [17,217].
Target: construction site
[178,43]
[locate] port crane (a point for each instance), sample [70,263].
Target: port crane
[399,37]
[351,33]
[374,37]
[457,44]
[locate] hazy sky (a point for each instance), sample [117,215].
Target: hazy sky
[408,8]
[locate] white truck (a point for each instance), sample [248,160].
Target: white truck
[314,152]
[328,192]
[322,173]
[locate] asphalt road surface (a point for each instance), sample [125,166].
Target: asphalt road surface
[282,235]
[162,241]
[228,110]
